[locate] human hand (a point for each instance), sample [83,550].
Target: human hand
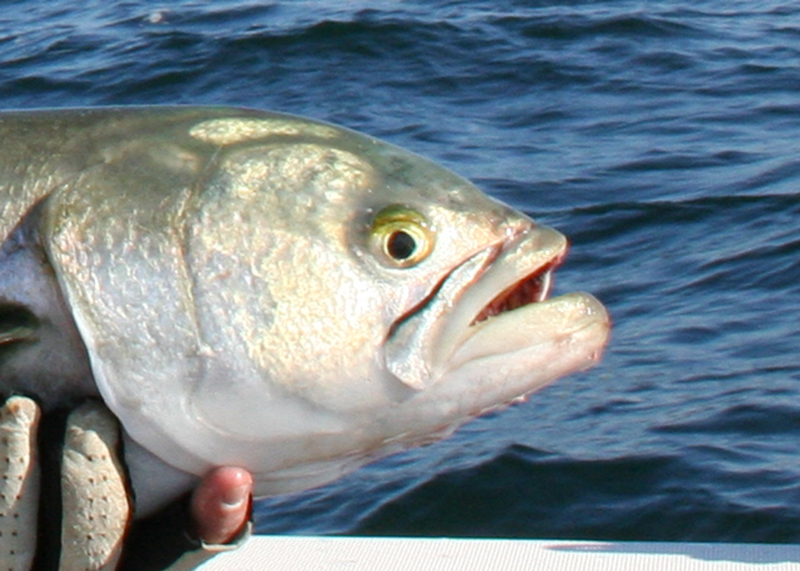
[96,506]
[220,505]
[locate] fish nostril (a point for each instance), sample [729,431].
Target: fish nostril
[515,226]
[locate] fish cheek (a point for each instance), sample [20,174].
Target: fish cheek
[276,288]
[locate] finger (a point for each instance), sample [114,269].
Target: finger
[19,486]
[221,504]
[96,507]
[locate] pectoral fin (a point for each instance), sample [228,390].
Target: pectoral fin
[17,324]
[41,351]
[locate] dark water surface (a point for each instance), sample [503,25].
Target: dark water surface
[661,137]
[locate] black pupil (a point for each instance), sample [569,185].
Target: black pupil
[401,245]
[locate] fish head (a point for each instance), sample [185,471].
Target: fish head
[308,300]
[387,301]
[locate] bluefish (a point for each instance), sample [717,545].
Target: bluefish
[267,291]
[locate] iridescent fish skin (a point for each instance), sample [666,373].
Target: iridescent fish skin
[262,290]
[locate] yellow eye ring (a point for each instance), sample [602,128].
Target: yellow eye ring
[401,236]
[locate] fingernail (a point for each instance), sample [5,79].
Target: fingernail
[236,496]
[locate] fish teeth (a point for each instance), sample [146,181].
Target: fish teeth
[533,288]
[546,285]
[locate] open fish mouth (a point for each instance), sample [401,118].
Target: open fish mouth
[523,318]
[494,302]
[533,288]
[506,277]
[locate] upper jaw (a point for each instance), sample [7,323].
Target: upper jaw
[501,277]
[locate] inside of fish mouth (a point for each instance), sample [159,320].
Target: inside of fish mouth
[533,288]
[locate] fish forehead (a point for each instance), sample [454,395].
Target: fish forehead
[306,158]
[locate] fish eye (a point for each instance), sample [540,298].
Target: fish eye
[401,236]
[401,245]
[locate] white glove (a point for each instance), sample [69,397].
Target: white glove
[96,507]
[19,486]
[95,504]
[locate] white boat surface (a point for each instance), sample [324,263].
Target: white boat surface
[305,553]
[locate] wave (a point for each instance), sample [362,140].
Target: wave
[525,493]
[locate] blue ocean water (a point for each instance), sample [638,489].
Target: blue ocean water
[661,137]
